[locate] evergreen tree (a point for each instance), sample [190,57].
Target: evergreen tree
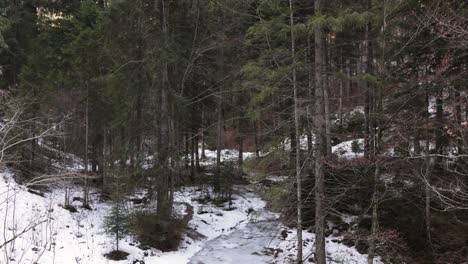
[116,222]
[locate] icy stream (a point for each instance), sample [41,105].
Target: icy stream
[249,244]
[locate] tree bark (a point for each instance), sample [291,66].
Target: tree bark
[375,217]
[326,99]
[197,154]
[220,64]
[163,194]
[257,149]
[86,187]
[192,157]
[320,141]
[297,148]
[240,160]
[202,134]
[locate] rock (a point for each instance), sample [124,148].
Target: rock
[284,234]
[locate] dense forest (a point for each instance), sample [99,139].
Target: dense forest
[221,131]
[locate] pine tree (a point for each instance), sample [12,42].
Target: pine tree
[117,221]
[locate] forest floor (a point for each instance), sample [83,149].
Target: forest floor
[240,231]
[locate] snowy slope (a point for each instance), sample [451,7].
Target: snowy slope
[46,233]
[59,236]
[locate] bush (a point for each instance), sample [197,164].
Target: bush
[116,255]
[163,234]
[275,196]
[227,174]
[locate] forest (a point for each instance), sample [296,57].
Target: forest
[229,131]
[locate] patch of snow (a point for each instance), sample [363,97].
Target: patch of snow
[226,155]
[303,145]
[345,149]
[277,178]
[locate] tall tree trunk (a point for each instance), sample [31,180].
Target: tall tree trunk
[427,202]
[186,145]
[458,119]
[192,157]
[86,147]
[341,94]
[427,181]
[257,148]
[374,133]
[375,217]
[320,140]
[439,127]
[310,94]
[240,159]
[326,99]
[202,134]
[197,155]
[348,80]
[105,162]
[297,137]
[294,144]
[163,193]
[220,64]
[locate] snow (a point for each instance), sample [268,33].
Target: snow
[344,149]
[69,162]
[241,232]
[63,237]
[303,145]
[336,252]
[226,155]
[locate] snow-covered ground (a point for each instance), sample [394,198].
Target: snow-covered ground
[226,155]
[55,235]
[37,229]
[52,234]
[345,148]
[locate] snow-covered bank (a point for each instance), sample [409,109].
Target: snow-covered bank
[55,235]
[243,231]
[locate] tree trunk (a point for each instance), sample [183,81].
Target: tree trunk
[197,155]
[326,99]
[294,139]
[192,157]
[202,134]
[257,149]
[375,218]
[427,206]
[297,148]
[220,64]
[117,240]
[439,127]
[375,106]
[427,192]
[105,160]
[240,160]
[320,141]
[348,81]
[340,102]
[163,193]
[86,187]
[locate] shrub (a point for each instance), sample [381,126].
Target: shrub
[153,231]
